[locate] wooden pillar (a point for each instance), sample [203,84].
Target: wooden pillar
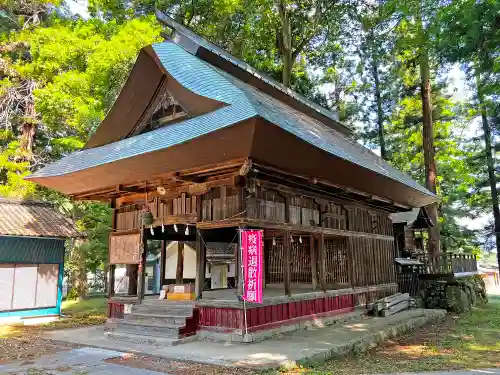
[287,262]
[200,265]
[111,267]
[180,263]
[141,274]
[350,262]
[238,271]
[132,270]
[314,263]
[322,261]
[163,258]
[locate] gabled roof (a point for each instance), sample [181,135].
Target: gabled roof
[240,102]
[33,219]
[416,219]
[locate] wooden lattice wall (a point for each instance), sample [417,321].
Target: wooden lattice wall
[336,261]
[300,266]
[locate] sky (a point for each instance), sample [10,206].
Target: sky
[78,7]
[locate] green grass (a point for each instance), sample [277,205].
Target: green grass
[77,313]
[85,307]
[468,341]
[82,312]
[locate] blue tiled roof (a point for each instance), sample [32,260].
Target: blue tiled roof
[243,102]
[148,142]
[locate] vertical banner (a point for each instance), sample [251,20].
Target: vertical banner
[252,251]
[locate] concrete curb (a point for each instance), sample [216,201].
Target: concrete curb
[371,340]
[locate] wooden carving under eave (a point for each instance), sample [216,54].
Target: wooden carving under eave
[125,248]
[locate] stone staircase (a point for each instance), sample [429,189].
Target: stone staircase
[157,322]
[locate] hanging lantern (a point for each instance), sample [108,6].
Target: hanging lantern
[146,216]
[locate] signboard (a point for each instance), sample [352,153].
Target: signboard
[125,248]
[252,249]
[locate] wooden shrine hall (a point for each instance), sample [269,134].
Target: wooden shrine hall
[198,145]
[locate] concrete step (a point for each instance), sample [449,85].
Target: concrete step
[143,339]
[177,320]
[148,329]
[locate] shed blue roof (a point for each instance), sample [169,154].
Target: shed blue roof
[242,102]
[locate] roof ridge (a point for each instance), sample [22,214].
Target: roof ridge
[205,43]
[26,202]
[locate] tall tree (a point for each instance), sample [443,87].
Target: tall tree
[469,35]
[428,126]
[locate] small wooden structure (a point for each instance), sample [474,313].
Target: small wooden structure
[32,237]
[409,228]
[208,146]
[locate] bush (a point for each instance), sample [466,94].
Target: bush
[72,294]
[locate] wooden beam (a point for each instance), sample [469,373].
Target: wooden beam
[179,274]
[314,263]
[322,261]
[339,192]
[310,229]
[206,172]
[287,262]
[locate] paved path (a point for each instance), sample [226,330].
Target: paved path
[288,350]
[88,361]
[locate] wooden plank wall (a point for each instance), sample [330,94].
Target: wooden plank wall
[369,221]
[267,205]
[372,261]
[129,217]
[221,203]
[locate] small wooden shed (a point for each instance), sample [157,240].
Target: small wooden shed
[32,242]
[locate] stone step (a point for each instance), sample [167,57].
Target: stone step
[166,310]
[143,339]
[177,320]
[166,302]
[158,330]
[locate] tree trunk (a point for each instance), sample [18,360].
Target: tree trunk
[428,137]
[286,43]
[78,274]
[489,162]
[380,113]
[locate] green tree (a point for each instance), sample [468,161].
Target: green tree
[469,35]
